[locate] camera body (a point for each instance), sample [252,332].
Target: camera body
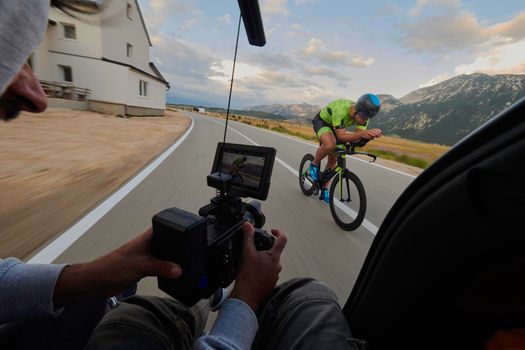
[208,246]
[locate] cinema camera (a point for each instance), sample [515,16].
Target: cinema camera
[208,246]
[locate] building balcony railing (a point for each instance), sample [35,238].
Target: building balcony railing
[65,90]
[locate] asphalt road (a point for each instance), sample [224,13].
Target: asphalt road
[316,246]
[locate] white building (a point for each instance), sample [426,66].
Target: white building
[108,53]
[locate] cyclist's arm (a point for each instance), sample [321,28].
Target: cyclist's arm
[344,136]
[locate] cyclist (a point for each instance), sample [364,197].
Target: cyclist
[330,126]
[237,165]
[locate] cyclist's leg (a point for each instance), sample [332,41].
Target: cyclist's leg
[326,139]
[332,161]
[328,144]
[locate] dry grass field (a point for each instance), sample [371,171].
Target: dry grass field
[410,152]
[59,164]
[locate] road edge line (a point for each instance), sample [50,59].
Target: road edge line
[53,250]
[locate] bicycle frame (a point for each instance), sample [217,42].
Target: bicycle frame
[346,217]
[341,169]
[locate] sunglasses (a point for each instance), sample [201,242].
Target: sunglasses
[363,115]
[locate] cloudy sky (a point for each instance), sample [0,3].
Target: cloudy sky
[318,50]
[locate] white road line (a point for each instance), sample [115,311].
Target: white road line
[315,146]
[366,224]
[66,239]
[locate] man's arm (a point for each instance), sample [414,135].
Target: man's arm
[345,136]
[26,290]
[236,325]
[111,274]
[34,290]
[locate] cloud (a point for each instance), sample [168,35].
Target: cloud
[389,9]
[291,88]
[335,57]
[505,59]
[184,59]
[436,80]
[447,6]
[272,61]
[312,48]
[295,31]
[275,7]
[416,9]
[305,2]
[196,17]
[326,72]
[441,34]
[226,19]
[315,49]
[156,12]
[362,62]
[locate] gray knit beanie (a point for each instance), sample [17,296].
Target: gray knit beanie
[22,25]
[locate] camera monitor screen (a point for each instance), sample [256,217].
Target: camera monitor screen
[249,166]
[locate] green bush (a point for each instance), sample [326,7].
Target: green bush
[282,129]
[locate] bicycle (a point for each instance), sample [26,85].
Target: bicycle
[347,208]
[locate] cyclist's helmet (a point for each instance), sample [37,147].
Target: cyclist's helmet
[368,105]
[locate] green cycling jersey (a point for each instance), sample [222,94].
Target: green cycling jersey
[336,114]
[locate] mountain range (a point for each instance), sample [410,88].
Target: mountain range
[443,113]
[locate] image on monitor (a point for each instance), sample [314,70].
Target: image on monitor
[246,170]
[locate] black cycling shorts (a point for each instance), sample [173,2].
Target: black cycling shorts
[320,127]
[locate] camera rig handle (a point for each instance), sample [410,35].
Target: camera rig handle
[209,256]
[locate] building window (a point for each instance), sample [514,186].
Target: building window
[129,10]
[70,32]
[129,50]
[66,73]
[143,88]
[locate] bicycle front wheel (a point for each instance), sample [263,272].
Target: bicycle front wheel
[347,201]
[307,187]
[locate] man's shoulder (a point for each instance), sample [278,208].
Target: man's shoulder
[341,102]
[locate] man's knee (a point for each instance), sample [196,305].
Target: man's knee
[301,290]
[310,287]
[328,146]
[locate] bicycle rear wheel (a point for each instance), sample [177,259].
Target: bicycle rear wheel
[347,201]
[307,187]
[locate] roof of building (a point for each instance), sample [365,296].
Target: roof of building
[143,22]
[100,4]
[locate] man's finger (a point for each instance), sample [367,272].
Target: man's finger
[280,241]
[162,268]
[249,233]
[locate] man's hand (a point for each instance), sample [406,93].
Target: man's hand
[375,133]
[259,270]
[112,273]
[372,134]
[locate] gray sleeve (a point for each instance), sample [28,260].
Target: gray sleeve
[234,329]
[22,25]
[26,290]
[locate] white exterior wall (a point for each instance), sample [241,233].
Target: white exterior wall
[88,32]
[118,30]
[108,82]
[41,61]
[101,36]
[156,91]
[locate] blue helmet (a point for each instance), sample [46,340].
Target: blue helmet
[368,105]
